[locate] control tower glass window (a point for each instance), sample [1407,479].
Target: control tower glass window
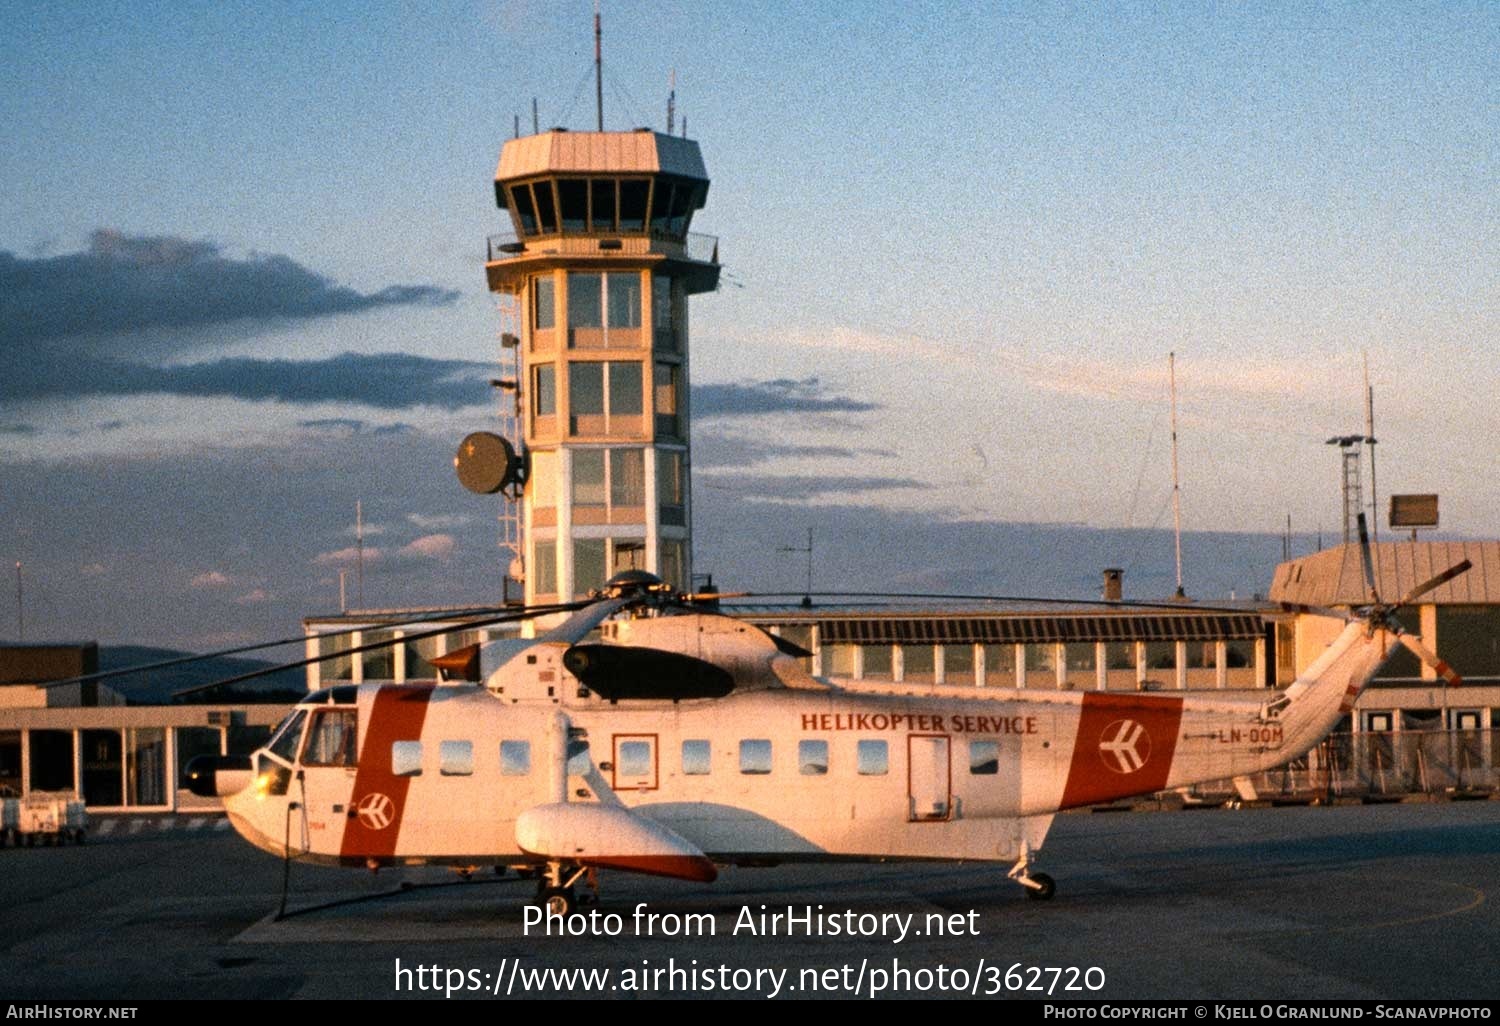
[661,207]
[588,478]
[544,390]
[602,215]
[671,487]
[627,478]
[544,566]
[624,292]
[543,303]
[634,193]
[662,328]
[546,208]
[624,389]
[584,300]
[525,208]
[588,564]
[668,399]
[573,199]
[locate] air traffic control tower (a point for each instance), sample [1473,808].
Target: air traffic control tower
[594,282]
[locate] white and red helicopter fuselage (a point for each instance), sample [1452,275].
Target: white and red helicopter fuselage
[534,766]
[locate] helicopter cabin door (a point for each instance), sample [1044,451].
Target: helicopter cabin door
[634,762]
[929,778]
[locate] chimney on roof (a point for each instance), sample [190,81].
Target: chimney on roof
[1114,584]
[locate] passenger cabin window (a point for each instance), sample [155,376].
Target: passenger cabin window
[874,758]
[812,758]
[984,758]
[331,741]
[695,758]
[755,757]
[515,758]
[406,759]
[456,758]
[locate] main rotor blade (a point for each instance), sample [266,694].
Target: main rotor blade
[1181,607]
[1430,657]
[1336,614]
[294,640]
[590,615]
[1443,578]
[526,614]
[1366,560]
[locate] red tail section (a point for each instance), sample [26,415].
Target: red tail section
[1124,746]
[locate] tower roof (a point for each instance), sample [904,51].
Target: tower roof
[561,151]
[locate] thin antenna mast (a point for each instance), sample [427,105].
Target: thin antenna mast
[1176,490]
[598,66]
[536,119]
[359,552]
[671,100]
[1370,441]
[20,606]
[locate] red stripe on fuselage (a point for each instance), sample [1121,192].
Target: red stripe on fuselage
[396,714]
[1124,747]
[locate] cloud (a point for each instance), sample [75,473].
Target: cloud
[382,380]
[439,521]
[93,570]
[345,426]
[782,395]
[254,596]
[17,429]
[127,284]
[803,487]
[715,450]
[348,557]
[430,546]
[211,579]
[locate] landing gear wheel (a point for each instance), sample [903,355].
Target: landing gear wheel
[1047,887]
[560,901]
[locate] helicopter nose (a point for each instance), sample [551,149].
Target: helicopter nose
[215,776]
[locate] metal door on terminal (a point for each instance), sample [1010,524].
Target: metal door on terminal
[929,778]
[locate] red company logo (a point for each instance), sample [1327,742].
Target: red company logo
[376,810]
[1124,746]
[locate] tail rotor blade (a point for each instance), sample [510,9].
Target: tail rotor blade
[1430,657]
[1443,578]
[1366,560]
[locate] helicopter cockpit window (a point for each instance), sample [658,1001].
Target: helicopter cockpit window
[331,741]
[284,742]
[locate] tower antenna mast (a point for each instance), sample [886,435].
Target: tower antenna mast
[1176,490]
[598,66]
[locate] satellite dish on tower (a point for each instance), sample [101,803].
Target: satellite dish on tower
[486,463]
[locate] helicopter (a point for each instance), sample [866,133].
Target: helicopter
[651,733]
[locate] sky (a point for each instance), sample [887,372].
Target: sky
[241,288]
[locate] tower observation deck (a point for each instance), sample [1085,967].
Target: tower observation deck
[600,263]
